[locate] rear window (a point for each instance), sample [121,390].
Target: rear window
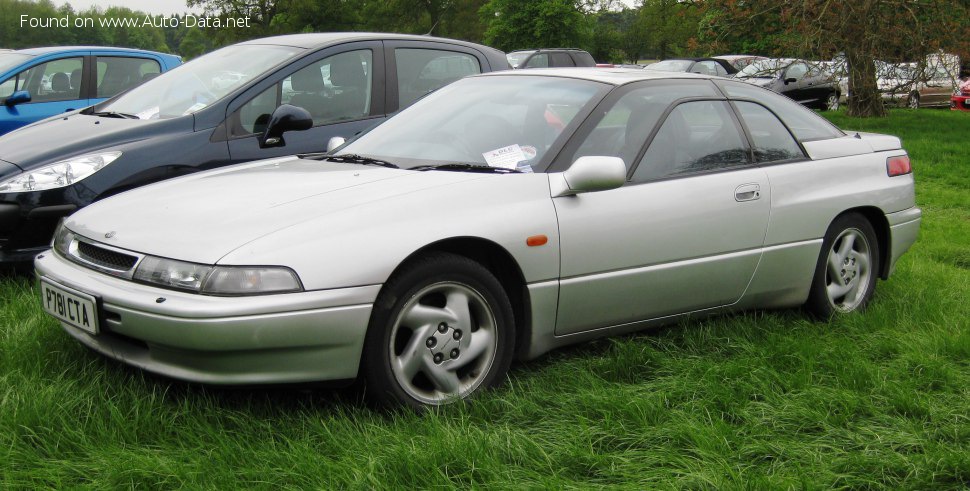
[803,122]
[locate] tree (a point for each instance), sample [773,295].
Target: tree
[513,24]
[863,30]
[668,25]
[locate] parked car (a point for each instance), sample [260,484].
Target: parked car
[222,108]
[501,217]
[960,100]
[550,57]
[908,85]
[739,61]
[704,66]
[38,83]
[803,81]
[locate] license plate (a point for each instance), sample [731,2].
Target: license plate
[73,307]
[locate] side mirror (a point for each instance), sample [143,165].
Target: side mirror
[284,118]
[790,80]
[18,97]
[592,173]
[335,142]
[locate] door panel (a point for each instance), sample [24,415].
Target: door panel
[660,248]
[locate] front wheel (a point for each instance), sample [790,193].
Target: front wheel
[832,102]
[442,330]
[845,275]
[913,102]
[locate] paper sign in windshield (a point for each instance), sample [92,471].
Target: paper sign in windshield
[505,157]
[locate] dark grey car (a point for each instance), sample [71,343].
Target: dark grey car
[806,82]
[228,106]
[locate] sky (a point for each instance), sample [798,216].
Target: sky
[158,7]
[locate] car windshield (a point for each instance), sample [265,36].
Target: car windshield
[671,65]
[763,69]
[506,122]
[10,60]
[516,58]
[200,82]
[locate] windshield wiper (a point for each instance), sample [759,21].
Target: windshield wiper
[113,114]
[467,168]
[351,158]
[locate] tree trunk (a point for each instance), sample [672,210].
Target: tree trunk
[864,99]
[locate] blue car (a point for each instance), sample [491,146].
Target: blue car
[38,83]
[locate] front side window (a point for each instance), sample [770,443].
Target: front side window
[624,127]
[420,71]
[796,71]
[496,121]
[117,74]
[48,82]
[201,82]
[772,141]
[698,136]
[334,89]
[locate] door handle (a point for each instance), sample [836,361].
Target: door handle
[747,192]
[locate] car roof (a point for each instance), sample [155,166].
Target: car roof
[322,39]
[58,49]
[613,76]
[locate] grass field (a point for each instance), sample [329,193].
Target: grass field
[761,400]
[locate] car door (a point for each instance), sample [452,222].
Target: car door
[417,68]
[794,82]
[684,234]
[55,84]
[342,87]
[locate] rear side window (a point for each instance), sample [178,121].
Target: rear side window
[698,136]
[583,58]
[540,60]
[804,123]
[772,141]
[420,71]
[117,74]
[561,59]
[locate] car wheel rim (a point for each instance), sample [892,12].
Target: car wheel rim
[914,101]
[443,343]
[833,102]
[848,270]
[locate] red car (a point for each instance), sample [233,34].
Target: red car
[960,100]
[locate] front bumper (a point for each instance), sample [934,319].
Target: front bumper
[960,102]
[268,339]
[903,231]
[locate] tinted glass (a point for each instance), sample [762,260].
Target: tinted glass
[336,88]
[515,58]
[200,82]
[623,128]
[118,73]
[804,123]
[697,136]
[496,121]
[420,71]
[254,115]
[583,58]
[540,60]
[561,59]
[771,140]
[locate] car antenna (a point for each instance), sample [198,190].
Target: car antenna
[432,28]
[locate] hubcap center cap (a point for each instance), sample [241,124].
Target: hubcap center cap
[445,343]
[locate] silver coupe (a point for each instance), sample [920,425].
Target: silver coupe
[496,219]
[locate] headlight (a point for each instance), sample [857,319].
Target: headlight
[59,174]
[62,239]
[243,280]
[218,280]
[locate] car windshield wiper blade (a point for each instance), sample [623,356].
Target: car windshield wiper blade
[351,158]
[113,114]
[467,168]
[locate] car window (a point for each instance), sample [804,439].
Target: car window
[119,73]
[540,60]
[624,127]
[704,68]
[336,88]
[583,58]
[8,87]
[803,122]
[771,140]
[796,71]
[49,81]
[719,70]
[697,136]
[561,59]
[420,71]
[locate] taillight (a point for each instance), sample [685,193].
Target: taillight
[898,166]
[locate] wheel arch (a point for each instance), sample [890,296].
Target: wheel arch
[503,265]
[876,218]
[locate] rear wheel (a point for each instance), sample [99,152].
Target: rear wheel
[845,275]
[441,331]
[913,102]
[832,102]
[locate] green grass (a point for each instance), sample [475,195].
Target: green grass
[761,400]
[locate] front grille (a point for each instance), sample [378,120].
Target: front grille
[105,258]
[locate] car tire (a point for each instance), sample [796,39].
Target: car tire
[832,102]
[847,268]
[913,102]
[441,330]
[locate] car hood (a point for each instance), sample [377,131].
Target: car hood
[203,217]
[60,138]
